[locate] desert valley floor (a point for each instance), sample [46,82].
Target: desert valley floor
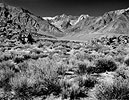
[66,58]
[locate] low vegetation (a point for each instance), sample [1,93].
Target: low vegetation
[119,90]
[59,70]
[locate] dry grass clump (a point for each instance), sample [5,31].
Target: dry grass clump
[123,71]
[119,90]
[78,87]
[38,78]
[119,59]
[6,72]
[62,68]
[72,91]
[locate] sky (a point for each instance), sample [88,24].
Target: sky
[49,8]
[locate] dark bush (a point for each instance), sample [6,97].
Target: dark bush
[82,68]
[18,59]
[91,69]
[77,94]
[103,65]
[26,56]
[100,66]
[88,82]
[72,91]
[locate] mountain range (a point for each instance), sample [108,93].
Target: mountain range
[15,21]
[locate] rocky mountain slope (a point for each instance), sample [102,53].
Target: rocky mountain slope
[17,22]
[64,22]
[84,26]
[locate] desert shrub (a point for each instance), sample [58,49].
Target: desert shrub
[84,84]
[72,61]
[37,78]
[88,81]
[56,57]
[85,67]
[81,56]
[103,65]
[91,69]
[5,56]
[123,71]
[6,72]
[65,89]
[119,58]
[18,59]
[72,91]
[26,46]
[34,56]
[40,44]
[48,43]
[126,60]
[49,75]
[119,90]
[42,55]
[2,49]
[88,57]
[49,67]
[26,56]
[36,51]
[22,66]
[82,67]
[121,49]
[61,69]
[78,89]
[77,93]
[23,86]
[26,86]
[2,93]
[98,47]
